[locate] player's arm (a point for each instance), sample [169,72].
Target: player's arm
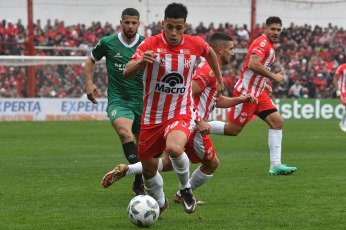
[89,75]
[214,65]
[134,66]
[335,82]
[196,88]
[227,102]
[202,126]
[255,64]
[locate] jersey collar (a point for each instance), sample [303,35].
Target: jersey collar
[128,45]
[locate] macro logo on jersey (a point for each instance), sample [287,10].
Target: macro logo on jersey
[172,83]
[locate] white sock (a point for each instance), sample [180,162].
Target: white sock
[274,141]
[160,165]
[154,188]
[134,169]
[181,167]
[137,168]
[218,127]
[198,178]
[343,119]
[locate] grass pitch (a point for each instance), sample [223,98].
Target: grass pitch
[50,174]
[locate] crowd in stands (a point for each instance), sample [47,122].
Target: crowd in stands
[307,55]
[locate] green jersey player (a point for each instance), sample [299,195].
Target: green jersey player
[125,96]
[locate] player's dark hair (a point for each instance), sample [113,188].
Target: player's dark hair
[273,19]
[176,10]
[130,12]
[218,38]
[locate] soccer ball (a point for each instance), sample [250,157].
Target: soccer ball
[143,210]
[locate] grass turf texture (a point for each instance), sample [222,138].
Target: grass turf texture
[50,174]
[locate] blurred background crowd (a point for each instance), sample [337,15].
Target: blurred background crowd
[307,55]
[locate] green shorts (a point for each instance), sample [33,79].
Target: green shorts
[127,110]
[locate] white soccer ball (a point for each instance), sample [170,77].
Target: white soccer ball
[143,210]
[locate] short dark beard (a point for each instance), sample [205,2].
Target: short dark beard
[126,35]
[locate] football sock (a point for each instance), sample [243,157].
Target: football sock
[131,154]
[154,188]
[198,178]
[160,165]
[134,169]
[274,141]
[218,127]
[343,119]
[137,168]
[130,151]
[181,167]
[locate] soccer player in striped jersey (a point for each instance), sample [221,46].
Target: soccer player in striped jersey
[253,78]
[125,105]
[199,147]
[340,85]
[168,117]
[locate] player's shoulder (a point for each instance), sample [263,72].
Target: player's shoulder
[263,42]
[193,39]
[204,70]
[141,38]
[108,39]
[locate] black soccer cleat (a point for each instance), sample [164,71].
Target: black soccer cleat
[189,200]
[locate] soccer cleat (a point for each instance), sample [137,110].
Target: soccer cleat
[178,199]
[165,206]
[282,170]
[189,200]
[116,174]
[342,127]
[139,190]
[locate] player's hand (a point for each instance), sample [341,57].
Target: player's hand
[279,77]
[268,89]
[220,87]
[92,90]
[338,93]
[203,127]
[148,57]
[250,98]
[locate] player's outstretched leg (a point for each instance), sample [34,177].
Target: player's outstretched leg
[181,168]
[282,169]
[116,174]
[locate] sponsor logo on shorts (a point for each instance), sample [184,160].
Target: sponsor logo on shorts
[242,119]
[141,143]
[114,112]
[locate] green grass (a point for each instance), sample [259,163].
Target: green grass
[50,174]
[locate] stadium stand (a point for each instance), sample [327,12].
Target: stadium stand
[308,56]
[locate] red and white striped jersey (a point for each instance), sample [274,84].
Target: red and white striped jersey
[341,73]
[249,81]
[167,82]
[205,101]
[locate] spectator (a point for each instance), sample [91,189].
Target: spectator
[296,90]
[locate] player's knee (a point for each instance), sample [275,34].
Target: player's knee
[174,151]
[231,130]
[125,135]
[210,167]
[148,173]
[277,124]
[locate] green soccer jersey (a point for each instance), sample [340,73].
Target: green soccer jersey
[118,53]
